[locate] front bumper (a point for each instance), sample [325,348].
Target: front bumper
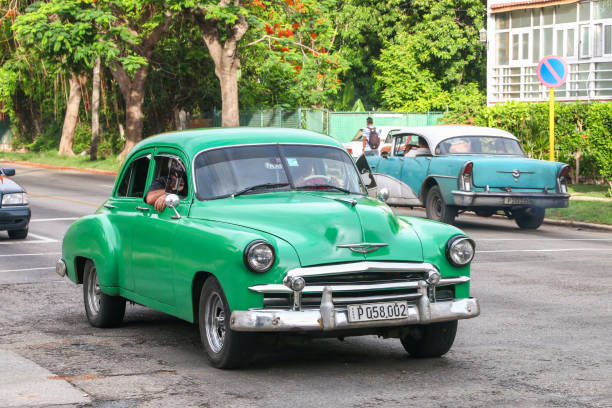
[328,318]
[509,200]
[14,217]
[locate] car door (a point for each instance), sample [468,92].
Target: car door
[391,165]
[415,169]
[152,244]
[123,212]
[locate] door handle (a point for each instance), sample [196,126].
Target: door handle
[141,208]
[110,206]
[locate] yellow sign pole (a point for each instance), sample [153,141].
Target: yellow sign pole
[551,124]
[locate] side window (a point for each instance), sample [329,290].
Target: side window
[400,145]
[170,175]
[135,178]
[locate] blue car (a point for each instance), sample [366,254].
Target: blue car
[14,209]
[452,169]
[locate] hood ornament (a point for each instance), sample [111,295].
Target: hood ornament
[363,247]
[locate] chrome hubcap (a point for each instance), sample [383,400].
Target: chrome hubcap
[215,322]
[437,206]
[94,293]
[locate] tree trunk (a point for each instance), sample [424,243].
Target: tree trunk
[227,62]
[95,109]
[133,92]
[72,115]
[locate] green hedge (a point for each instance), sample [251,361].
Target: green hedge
[583,131]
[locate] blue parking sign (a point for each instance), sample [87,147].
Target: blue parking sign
[552,71]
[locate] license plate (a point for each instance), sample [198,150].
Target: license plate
[516,200]
[377,311]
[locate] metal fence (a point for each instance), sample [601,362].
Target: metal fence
[339,125]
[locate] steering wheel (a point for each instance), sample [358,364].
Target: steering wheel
[314,176]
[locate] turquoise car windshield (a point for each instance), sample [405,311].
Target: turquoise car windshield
[255,169]
[479,145]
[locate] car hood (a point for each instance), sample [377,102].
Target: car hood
[497,171]
[9,186]
[315,224]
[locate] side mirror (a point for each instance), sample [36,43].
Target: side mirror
[383,194]
[7,172]
[172,201]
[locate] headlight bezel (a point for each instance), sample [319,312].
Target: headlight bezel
[452,243]
[23,199]
[252,246]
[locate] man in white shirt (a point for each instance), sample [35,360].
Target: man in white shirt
[367,150]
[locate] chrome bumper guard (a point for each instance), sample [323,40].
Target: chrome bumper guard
[512,199]
[335,317]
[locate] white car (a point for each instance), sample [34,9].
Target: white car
[355,146]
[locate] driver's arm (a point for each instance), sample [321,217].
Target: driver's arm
[157,198]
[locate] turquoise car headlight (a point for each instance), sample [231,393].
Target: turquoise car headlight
[14,199]
[460,250]
[259,256]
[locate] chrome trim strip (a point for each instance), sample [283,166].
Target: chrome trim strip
[363,266]
[195,156]
[60,267]
[278,288]
[369,299]
[441,176]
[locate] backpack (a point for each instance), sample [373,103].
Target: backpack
[374,139]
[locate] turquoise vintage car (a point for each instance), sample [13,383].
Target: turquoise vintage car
[450,169]
[266,230]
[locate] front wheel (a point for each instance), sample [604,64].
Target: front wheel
[102,310]
[531,218]
[225,348]
[436,209]
[432,340]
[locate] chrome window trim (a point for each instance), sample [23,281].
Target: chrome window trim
[195,184]
[134,157]
[478,154]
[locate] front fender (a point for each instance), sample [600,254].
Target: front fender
[95,238]
[434,236]
[217,248]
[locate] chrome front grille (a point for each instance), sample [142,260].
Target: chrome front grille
[355,283]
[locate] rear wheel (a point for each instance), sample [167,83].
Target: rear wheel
[436,209]
[530,218]
[432,340]
[225,348]
[18,234]
[102,310]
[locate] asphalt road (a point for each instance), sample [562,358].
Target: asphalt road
[543,338]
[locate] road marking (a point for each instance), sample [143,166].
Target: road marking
[28,269]
[545,250]
[39,254]
[64,199]
[54,219]
[40,237]
[107,185]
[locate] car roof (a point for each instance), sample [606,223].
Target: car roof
[195,140]
[437,133]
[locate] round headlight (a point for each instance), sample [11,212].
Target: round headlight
[259,256]
[460,250]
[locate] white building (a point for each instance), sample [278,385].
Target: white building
[520,33]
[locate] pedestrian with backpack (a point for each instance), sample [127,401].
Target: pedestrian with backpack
[371,138]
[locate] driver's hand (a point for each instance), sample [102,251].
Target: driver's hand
[160,203]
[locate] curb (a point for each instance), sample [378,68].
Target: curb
[578,224]
[63,168]
[548,221]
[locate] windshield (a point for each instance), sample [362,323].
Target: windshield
[255,169]
[479,145]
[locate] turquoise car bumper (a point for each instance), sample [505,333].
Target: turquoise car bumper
[509,200]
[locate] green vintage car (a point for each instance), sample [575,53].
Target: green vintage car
[266,230]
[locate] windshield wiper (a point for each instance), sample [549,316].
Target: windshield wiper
[259,186]
[321,186]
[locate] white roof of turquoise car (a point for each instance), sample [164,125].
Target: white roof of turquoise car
[438,133]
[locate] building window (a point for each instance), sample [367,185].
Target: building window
[547,15]
[501,21]
[520,18]
[608,39]
[503,48]
[565,14]
[585,44]
[584,11]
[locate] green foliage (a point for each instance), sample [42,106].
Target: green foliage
[599,126]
